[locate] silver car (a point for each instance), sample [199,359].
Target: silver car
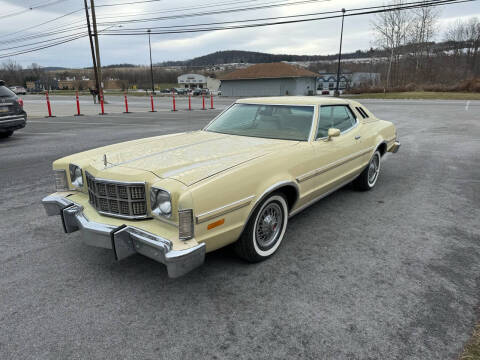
[19,90]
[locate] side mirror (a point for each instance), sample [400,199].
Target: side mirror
[332,132]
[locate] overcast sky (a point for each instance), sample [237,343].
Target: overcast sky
[311,38]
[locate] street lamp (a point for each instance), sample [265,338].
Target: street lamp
[337,92]
[151,65]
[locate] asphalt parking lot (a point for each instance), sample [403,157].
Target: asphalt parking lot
[389,274]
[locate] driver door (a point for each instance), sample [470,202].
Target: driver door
[338,157]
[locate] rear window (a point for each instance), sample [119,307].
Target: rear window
[6,92]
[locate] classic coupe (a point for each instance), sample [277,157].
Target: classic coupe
[175,197]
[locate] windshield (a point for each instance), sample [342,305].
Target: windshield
[6,92]
[287,122]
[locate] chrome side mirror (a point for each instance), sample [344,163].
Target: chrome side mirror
[332,132]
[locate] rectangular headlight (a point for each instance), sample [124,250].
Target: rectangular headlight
[185,224]
[61,183]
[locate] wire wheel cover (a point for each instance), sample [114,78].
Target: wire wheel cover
[269,226]
[373,170]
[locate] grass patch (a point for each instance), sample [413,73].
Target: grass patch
[472,349]
[422,95]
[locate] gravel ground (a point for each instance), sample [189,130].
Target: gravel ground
[388,274]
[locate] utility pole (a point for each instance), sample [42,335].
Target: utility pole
[337,92]
[97,49]
[151,65]
[91,45]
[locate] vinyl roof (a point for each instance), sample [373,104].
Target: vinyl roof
[269,71]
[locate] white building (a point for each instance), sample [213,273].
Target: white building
[193,81]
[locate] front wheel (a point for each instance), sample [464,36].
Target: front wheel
[265,230]
[368,178]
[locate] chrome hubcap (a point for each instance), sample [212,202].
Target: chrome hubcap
[269,224]
[373,169]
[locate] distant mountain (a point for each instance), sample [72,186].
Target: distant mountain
[238,56]
[54,68]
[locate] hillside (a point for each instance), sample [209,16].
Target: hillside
[252,57]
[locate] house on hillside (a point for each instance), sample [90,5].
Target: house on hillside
[271,79]
[348,80]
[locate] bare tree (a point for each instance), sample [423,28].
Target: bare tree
[391,28]
[421,32]
[464,39]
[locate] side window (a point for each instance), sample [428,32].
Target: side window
[337,116]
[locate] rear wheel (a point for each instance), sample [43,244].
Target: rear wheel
[265,229]
[368,178]
[6,134]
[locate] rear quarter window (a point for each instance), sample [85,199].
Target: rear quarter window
[6,92]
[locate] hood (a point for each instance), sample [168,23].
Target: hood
[186,157]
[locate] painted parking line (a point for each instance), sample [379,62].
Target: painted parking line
[89,123]
[47,133]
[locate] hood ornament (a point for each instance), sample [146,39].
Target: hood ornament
[105,160]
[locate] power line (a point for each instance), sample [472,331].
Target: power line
[350,12]
[20,12]
[241,9]
[169,10]
[46,22]
[128,3]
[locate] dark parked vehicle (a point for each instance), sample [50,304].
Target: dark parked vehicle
[12,115]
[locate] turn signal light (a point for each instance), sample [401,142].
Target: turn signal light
[185,224]
[20,102]
[215,224]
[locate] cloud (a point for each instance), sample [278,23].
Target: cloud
[316,37]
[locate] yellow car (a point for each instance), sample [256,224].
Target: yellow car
[175,197]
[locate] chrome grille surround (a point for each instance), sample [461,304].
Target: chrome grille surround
[118,199]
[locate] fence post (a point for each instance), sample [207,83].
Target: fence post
[49,108]
[126,105]
[151,102]
[102,105]
[78,105]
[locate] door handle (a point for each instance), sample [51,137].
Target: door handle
[357,137]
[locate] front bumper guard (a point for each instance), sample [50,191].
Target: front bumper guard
[124,240]
[395,147]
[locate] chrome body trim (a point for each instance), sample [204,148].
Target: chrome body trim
[117,182]
[124,240]
[313,201]
[201,218]
[12,120]
[268,191]
[332,165]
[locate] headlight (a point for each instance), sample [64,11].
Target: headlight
[76,176]
[161,202]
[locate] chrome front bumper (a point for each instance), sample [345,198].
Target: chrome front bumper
[395,147]
[124,240]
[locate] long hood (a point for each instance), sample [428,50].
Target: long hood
[186,157]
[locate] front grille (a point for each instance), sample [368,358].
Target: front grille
[117,199]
